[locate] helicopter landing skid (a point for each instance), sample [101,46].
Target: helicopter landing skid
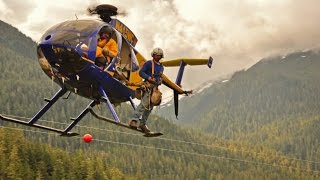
[150,134]
[17,121]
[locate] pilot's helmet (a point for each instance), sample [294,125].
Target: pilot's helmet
[157,51]
[106,29]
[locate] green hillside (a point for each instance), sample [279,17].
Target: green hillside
[116,153]
[14,40]
[275,103]
[22,159]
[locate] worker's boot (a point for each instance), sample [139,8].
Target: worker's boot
[133,124]
[144,128]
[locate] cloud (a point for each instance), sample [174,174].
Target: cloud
[236,33]
[15,10]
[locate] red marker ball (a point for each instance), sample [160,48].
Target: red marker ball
[87,138]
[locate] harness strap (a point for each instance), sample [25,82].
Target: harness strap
[152,69]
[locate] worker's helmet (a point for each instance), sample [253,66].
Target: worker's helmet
[157,51]
[106,29]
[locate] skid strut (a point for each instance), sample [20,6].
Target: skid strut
[32,122]
[81,115]
[45,108]
[110,106]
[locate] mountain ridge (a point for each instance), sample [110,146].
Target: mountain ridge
[266,99]
[14,39]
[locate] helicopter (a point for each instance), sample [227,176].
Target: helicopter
[67,53]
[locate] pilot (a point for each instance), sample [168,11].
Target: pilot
[151,73]
[107,48]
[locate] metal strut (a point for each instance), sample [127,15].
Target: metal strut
[45,108]
[81,115]
[88,108]
[132,103]
[110,106]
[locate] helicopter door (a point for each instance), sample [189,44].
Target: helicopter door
[126,60]
[134,61]
[123,66]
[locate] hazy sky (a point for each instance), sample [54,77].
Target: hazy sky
[237,33]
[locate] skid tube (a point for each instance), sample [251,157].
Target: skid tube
[39,114]
[151,134]
[17,121]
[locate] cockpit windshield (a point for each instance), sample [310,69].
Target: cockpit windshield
[79,25]
[71,32]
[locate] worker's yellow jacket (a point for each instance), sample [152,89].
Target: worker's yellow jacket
[111,46]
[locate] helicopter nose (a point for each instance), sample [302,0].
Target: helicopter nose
[64,59]
[59,54]
[48,52]
[55,48]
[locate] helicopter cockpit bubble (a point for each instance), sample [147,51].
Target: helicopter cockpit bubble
[64,45]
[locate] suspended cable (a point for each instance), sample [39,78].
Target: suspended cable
[179,151]
[180,141]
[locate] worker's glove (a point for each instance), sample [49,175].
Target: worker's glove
[152,81]
[105,52]
[188,92]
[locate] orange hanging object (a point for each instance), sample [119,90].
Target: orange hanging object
[87,138]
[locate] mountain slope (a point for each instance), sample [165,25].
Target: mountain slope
[22,159]
[13,39]
[267,99]
[272,88]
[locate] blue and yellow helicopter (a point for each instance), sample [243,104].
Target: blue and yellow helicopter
[67,52]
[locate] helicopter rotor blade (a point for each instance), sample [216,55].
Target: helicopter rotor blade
[176,103]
